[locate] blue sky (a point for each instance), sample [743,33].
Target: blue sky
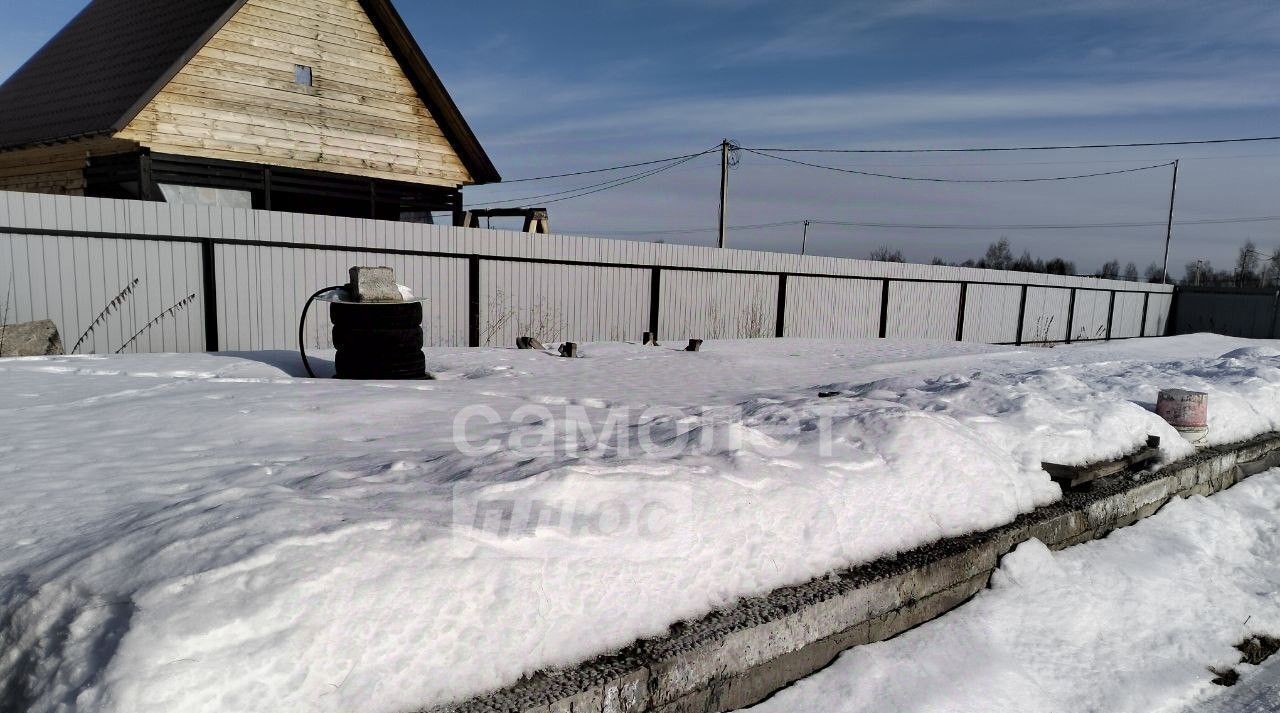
[553,87]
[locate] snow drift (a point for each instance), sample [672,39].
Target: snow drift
[208,533]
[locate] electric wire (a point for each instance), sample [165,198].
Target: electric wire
[969,226]
[611,168]
[594,185]
[929,179]
[1059,147]
[623,182]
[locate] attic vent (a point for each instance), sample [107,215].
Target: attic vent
[302,74]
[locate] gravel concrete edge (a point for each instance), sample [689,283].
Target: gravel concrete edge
[736,657]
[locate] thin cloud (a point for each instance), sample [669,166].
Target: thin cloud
[787,114]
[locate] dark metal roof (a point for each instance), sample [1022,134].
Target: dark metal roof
[93,72]
[103,68]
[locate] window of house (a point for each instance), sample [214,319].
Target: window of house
[302,75]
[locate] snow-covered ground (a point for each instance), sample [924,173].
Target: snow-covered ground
[211,533]
[1128,624]
[1258,692]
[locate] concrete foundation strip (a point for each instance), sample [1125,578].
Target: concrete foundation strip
[739,656]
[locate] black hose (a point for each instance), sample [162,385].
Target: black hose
[302,328]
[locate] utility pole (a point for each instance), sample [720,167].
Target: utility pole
[1168,235]
[804,242]
[724,187]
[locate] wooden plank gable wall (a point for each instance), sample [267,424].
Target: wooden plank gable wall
[238,99]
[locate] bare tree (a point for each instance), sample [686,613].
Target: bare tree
[1131,272]
[1196,272]
[884,253]
[1110,270]
[1247,263]
[1058,266]
[999,255]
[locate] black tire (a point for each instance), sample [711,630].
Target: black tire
[370,340]
[392,365]
[394,315]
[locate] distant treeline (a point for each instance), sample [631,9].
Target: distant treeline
[1253,268]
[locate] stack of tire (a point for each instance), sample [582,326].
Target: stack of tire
[378,340]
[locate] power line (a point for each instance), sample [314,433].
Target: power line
[692,231]
[611,168]
[626,181]
[1069,226]
[1067,162]
[1062,147]
[969,226]
[585,188]
[955,180]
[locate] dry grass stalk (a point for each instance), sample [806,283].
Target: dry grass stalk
[181,305]
[107,311]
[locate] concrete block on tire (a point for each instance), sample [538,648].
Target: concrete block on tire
[374,284]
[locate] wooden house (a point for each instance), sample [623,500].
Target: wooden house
[314,106]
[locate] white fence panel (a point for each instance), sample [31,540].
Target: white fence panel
[138,296]
[1046,315]
[1090,319]
[923,310]
[714,305]
[261,292]
[1158,309]
[1126,320]
[557,303]
[833,308]
[991,313]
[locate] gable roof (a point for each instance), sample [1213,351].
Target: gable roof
[108,63]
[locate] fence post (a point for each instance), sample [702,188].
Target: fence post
[209,282]
[1022,314]
[473,300]
[780,328]
[964,299]
[1146,302]
[1275,316]
[1111,314]
[1071,315]
[655,299]
[884,309]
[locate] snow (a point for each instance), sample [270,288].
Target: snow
[1132,622]
[210,532]
[1258,692]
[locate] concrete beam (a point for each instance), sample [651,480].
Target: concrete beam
[735,658]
